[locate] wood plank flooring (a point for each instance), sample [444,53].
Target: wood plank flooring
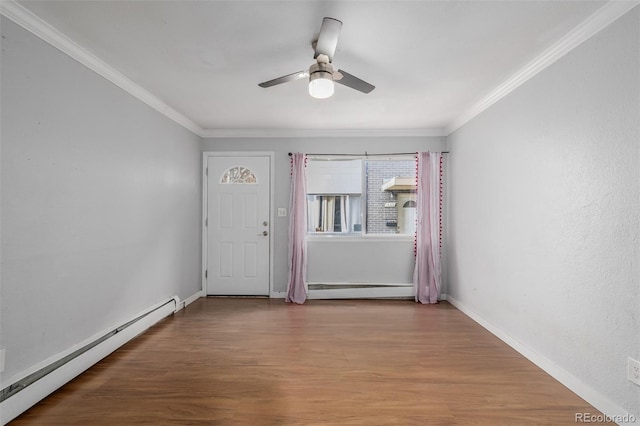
[343,362]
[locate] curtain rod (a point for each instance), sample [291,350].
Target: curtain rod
[372,155]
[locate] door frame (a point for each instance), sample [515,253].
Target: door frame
[205,213]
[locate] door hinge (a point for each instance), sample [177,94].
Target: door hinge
[206,273]
[206,171]
[206,222]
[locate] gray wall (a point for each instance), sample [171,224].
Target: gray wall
[282,146]
[101,203]
[544,221]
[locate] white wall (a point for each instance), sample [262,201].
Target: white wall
[281,147]
[101,204]
[544,216]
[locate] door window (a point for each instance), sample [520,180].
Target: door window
[238,174]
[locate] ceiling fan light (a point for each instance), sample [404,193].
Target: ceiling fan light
[321,88]
[321,80]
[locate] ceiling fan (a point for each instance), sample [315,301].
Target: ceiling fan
[321,74]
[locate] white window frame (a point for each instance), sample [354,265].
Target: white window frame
[363,234]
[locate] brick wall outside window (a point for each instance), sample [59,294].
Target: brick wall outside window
[376,173]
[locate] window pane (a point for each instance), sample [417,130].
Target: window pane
[334,176]
[334,196]
[390,186]
[238,174]
[334,213]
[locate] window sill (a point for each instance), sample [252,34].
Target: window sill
[358,237]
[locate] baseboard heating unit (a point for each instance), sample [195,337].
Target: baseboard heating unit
[26,391]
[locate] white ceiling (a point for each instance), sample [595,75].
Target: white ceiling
[431,61]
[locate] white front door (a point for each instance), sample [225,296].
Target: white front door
[238,224]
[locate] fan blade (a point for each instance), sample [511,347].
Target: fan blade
[328,38]
[354,82]
[285,79]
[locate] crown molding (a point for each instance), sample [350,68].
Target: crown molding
[599,20]
[591,26]
[322,133]
[34,24]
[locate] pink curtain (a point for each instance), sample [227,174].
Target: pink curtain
[427,275]
[296,287]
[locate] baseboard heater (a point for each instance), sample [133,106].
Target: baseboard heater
[26,392]
[359,291]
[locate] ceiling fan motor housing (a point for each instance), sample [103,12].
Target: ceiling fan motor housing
[320,70]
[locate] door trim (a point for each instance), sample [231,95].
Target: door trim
[205,213]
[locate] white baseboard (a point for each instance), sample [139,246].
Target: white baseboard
[592,396]
[181,304]
[21,401]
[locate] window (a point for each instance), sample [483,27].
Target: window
[354,196]
[238,174]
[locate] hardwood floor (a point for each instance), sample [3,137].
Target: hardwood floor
[351,362]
